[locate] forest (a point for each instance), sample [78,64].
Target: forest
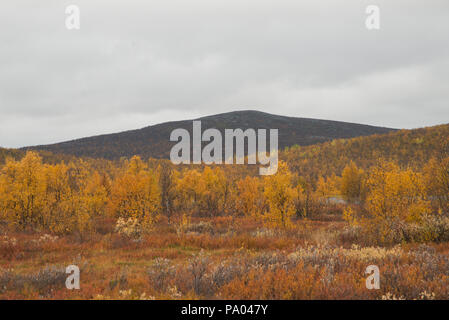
[147,229]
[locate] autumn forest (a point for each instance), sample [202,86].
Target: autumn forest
[143,228]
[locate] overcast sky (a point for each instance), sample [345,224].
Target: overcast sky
[136,63]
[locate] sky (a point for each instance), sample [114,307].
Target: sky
[138,63]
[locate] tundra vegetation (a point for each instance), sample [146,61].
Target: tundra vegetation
[146,229]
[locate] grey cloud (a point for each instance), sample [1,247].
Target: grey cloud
[137,63]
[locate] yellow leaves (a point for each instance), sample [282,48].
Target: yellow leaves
[396,193]
[436,179]
[184,223]
[65,198]
[136,165]
[280,196]
[23,190]
[136,194]
[349,216]
[204,191]
[50,197]
[249,200]
[352,186]
[96,194]
[328,187]
[189,186]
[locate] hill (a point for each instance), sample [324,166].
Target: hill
[409,148]
[10,153]
[153,141]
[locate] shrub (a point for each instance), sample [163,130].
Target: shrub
[129,227]
[201,227]
[430,228]
[197,267]
[120,280]
[44,281]
[8,247]
[160,273]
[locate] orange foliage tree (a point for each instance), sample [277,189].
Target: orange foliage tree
[280,195]
[136,194]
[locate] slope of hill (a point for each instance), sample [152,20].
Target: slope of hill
[10,153]
[47,156]
[153,141]
[412,148]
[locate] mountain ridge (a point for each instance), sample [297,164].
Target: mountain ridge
[153,141]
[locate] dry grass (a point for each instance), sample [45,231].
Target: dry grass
[230,258]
